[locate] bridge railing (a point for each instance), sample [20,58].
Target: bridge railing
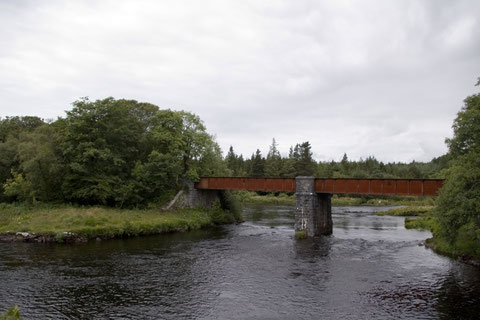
[414,187]
[246,183]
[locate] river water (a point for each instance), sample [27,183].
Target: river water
[370,268]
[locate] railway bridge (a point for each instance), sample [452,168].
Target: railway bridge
[313,213]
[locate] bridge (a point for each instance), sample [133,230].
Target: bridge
[313,213]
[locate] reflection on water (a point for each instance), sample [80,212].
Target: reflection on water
[371,267]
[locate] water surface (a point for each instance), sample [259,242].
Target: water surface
[371,267]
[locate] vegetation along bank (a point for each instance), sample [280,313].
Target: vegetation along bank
[62,223]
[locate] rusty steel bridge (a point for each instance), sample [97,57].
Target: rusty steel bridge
[393,187]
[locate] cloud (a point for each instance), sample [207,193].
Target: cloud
[382,78]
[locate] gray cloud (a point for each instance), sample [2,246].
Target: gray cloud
[382,78]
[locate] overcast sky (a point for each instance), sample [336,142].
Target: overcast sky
[382,78]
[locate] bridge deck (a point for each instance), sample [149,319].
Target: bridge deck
[404,187]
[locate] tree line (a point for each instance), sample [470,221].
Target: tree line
[299,162]
[125,153]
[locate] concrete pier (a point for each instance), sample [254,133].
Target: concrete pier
[313,210]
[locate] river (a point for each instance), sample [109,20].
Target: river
[370,268]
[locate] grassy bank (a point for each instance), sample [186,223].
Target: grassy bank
[92,222]
[249,197]
[466,248]
[424,219]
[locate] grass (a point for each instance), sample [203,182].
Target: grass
[424,216]
[281,199]
[92,222]
[467,251]
[250,197]
[422,223]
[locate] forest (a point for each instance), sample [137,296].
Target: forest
[299,162]
[117,153]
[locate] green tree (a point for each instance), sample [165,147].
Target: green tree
[121,152]
[273,163]
[305,166]
[19,188]
[231,161]
[234,163]
[258,164]
[345,165]
[102,141]
[458,204]
[466,128]
[11,128]
[39,158]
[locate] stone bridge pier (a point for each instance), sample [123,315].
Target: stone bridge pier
[313,213]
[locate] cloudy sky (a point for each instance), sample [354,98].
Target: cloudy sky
[383,78]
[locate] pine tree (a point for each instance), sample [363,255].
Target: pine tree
[273,163]
[305,166]
[258,164]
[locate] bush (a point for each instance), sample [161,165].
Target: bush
[459,199]
[231,203]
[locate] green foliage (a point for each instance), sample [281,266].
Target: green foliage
[300,162]
[466,128]
[39,157]
[232,204]
[218,215]
[235,164]
[110,152]
[279,198]
[270,198]
[422,223]
[12,314]
[458,205]
[102,142]
[459,199]
[11,128]
[19,188]
[258,164]
[227,209]
[273,163]
[303,161]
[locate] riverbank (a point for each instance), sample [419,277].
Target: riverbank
[249,197]
[423,218]
[68,224]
